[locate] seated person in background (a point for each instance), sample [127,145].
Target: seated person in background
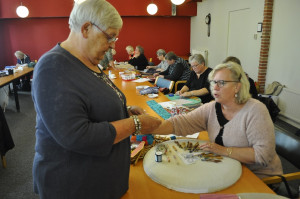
[252,89]
[162,66]
[139,61]
[22,58]
[197,84]
[176,69]
[130,52]
[108,59]
[238,126]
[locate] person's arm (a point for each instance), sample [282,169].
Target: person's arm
[183,90]
[126,127]
[166,72]
[185,124]
[200,92]
[176,73]
[245,155]
[148,67]
[165,128]
[140,61]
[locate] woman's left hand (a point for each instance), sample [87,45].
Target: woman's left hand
[186,94]
[214,148]
[136,110]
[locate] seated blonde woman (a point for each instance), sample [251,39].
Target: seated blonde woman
[238,126]
[130,52]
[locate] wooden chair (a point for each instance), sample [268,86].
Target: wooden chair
[180,82]
[164,83]
[287,146]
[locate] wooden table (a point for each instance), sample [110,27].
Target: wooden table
[14,79]
[141,186]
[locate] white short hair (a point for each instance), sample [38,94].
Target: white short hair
[100,12]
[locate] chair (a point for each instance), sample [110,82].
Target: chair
[150,63]
[180,82]
[287,146]
[164,83]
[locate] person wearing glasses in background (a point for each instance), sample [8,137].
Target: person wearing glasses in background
[238,126]
[162,66]
[139,60]
[83,124]
[197,84]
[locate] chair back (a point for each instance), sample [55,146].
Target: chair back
[164,83]
[288,146]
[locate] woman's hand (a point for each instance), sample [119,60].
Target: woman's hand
[135,110]
[178,93]
[186,94]
[214,148]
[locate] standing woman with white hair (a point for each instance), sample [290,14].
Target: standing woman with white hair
[83,124]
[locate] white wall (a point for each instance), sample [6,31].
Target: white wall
[284,57]
[283,64]
[216,44]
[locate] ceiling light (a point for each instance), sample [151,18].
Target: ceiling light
[22,11]
[152,9]
[177,2]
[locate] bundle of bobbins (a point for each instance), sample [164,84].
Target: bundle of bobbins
[142,153]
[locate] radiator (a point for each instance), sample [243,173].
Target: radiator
[288,103]
[204,53]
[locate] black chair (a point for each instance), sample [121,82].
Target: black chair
[288,147]
[6,141]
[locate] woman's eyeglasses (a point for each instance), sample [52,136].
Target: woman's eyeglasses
[109,38]
[220,83]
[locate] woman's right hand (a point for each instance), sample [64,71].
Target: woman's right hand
[149,123]
[178,93]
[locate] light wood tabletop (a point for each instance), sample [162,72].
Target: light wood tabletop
[141,186]
[10,78]
[14,78]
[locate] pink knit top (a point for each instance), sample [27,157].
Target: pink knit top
[250,127]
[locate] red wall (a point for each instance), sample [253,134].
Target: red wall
[48,24]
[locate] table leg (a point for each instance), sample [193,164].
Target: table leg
[3,161]
[16,94]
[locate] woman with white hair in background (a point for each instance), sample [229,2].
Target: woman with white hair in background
[83,124]
[163,65]
[23,59]
[238,126]
[197,84]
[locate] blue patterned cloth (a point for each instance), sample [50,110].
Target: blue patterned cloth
[159,109]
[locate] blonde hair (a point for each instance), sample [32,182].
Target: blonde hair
[129,48]
[237,74]
[19,54]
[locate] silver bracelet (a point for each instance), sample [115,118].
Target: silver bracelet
[137,123]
